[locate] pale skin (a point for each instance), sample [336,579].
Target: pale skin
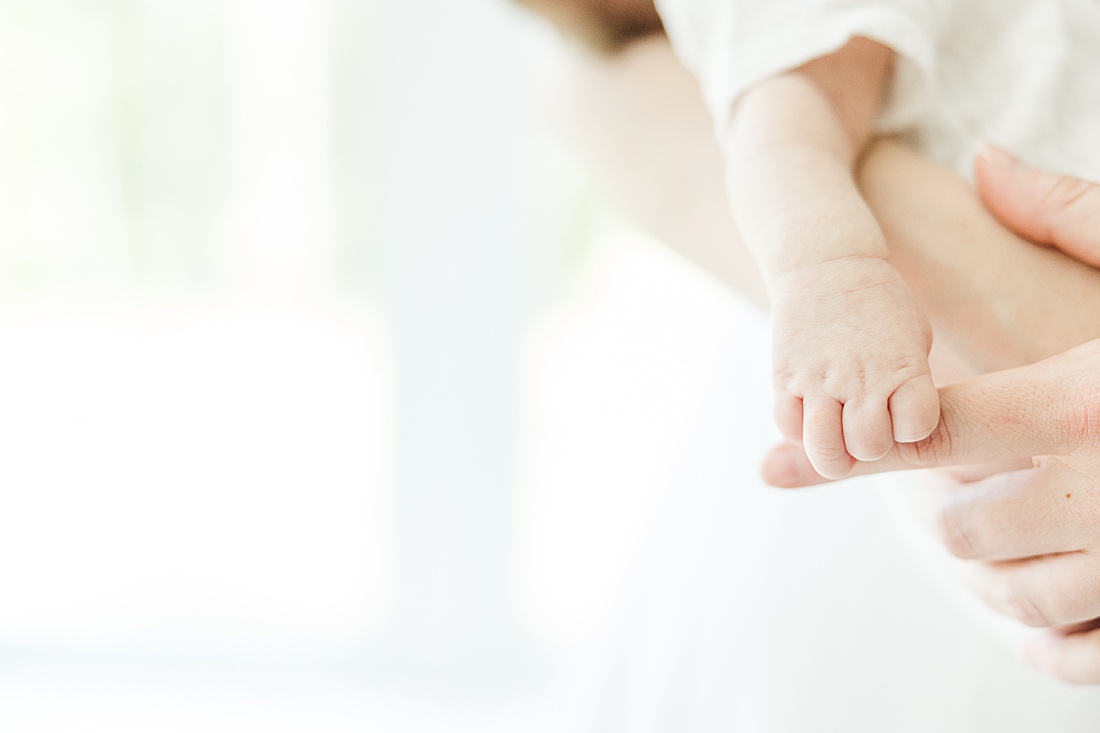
[1030,538]
[995,301]
[850,344]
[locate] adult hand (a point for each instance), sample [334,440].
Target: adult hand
[1031,537]
[1045,208]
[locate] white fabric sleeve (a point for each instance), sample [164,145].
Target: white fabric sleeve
[732,45]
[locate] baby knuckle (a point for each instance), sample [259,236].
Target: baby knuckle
[837,383]
[909,368]
[827,454]
[784,379]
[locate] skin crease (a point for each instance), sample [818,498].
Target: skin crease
[993,299]
[1030,537]
[850,345]
[986,292]
[984,289]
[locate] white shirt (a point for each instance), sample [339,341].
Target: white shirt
[759,611]
[1024,74]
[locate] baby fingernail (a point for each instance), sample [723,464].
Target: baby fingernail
[910,431]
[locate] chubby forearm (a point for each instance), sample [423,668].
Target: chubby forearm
[994,300]
[792,194]
[790,151]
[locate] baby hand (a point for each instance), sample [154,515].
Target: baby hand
[851,363]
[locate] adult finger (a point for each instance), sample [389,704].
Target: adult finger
[1047,408]
[1056,590]
[1015,515]
[1072,657]
[1046,208]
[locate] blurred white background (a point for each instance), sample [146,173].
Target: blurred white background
[331,397]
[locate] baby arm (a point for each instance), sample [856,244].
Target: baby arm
[850,344]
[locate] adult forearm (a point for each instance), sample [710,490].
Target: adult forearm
[994,300]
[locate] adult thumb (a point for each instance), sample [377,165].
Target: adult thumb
[1043,207]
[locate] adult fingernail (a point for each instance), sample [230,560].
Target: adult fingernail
[997,157]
